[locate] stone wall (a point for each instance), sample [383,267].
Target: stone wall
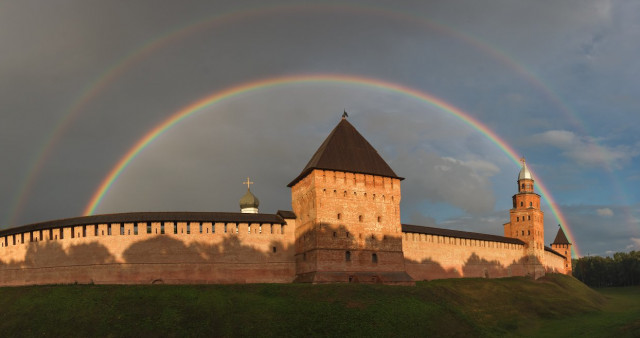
[430,257]
[554,263]
[198,252]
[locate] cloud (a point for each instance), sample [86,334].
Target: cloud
[448,180]
[587,151]
[605,212]
[635,244]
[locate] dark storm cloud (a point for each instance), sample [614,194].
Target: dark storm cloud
[583,52]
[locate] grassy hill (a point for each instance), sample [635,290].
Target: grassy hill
[555,305]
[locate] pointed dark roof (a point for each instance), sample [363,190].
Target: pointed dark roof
[346,150]
[561,238]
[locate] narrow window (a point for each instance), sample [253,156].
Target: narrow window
[108,230]
[129,232]
[40,237]
[274,249]
[531,204]
[162,228]
[529,232]
[529,217]
[374,258]
[225,228]
[345,193]
[335,234]
[31,237]
[517,219]
[521,204]
[379,219]
[237,228]
[149,228]
[522,232]
[260,228]
[347,256]
[201,228]
[360,218]
[121,229]
[14,239]
[188,228]
[73,232]
[271,228]
[175,228]
[347,234]
[249,228]
[213,228]
[95,230]
[339,216]
[135,229]
[84,231]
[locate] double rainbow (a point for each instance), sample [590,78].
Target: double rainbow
[216,97]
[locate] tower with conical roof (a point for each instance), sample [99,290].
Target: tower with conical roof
[249,203]
[562,245]
[527,221]
[347,200]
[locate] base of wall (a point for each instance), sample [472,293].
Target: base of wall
[373,277]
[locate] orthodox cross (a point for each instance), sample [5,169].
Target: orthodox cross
[522,160]
[248,183]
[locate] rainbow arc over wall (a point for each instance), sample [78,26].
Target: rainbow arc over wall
[221,95]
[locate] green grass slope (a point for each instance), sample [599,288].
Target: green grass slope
[455,307]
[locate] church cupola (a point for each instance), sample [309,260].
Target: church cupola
[249,203]
[525,179]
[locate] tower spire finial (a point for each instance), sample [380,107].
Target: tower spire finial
[522,160]
[345,115]
[248,183]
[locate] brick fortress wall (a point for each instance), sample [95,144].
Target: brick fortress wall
[200,252]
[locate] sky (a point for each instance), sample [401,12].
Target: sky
[83,82]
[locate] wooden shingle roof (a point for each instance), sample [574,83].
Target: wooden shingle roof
[458,234]
[136,217]
[345,149]
[561,238]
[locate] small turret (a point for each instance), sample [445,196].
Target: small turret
[249,203]
[562,245]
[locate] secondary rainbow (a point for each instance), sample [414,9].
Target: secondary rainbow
[136,55]
[199,105]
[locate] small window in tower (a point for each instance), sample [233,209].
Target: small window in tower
[522,232]
[345,193]
[335,234]
[531,204]
[529,217]
[360,218]
[529,232]
[522,186]
[339,216]
[347,256]
[374,258]
[518,219]
[274,249]
[379,219]
[347,234]
[521,204]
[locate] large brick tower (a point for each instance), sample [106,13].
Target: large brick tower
[527,221]
[347,201]
[562,245]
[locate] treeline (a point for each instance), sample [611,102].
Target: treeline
[623,269]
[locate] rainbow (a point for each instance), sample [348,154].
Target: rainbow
[216,97]
[133,57]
